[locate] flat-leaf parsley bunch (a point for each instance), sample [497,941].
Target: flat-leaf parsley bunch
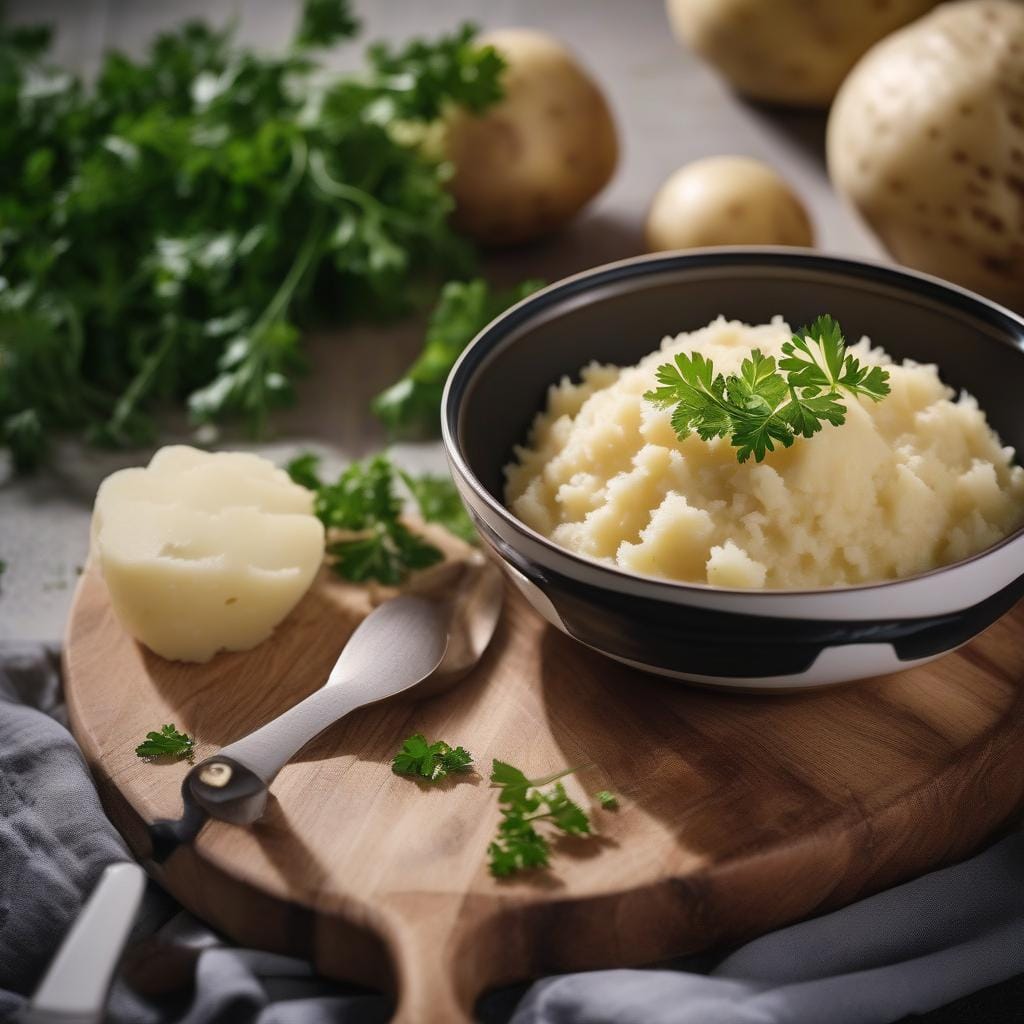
[168,229]
[759,406]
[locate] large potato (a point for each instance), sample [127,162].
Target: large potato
[726,200]
[788,51]
[528,164]
[926,138]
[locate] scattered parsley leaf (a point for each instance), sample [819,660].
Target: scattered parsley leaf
[524,804]
[412,406]
[609,801]
[387,553]
[168,742]
[364,508]
[439,502]
[304,470]
[363,501]
[430,761]
[759,407]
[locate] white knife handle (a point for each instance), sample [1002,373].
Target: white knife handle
[74,989]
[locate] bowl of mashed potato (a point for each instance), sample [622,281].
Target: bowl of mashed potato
[871,546]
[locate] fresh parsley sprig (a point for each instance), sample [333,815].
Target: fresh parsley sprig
[411,407]
[438,502]
[759,406]
[524,805]
[168,742]
[430,761]
[149,245]
[363,508]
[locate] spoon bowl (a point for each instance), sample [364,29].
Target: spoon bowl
[474,608]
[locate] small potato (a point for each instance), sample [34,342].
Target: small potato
[726,200]
[531,162]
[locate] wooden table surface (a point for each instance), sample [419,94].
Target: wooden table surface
[669,107]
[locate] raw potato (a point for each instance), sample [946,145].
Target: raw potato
[531,162]
[788,51]
[926,138]
[204,552]
[726,200]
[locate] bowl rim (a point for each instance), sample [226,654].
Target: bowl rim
[642,266]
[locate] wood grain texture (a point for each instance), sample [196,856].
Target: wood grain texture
[738,813]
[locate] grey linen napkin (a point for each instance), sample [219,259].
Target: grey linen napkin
[908,950]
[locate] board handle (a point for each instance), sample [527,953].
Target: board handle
[430,988]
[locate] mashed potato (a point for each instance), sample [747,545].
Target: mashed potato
[912,482]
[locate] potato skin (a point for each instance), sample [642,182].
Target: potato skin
[531,162]
[926,140]
[726,200]
[794,52]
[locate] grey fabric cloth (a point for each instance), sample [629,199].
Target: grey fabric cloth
[907,950]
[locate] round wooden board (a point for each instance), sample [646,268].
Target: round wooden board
[738,813]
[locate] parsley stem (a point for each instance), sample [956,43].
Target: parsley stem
[330,186]
[137,389]
[283,296]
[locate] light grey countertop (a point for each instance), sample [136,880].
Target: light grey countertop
[670,109]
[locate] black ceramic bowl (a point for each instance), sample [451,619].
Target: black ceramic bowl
[765,639]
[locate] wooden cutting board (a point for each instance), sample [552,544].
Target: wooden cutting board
[738,813]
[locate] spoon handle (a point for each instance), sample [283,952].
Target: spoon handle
[233,784]
[267,750]
[395,648]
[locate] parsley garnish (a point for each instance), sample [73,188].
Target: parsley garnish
[363,505]
[524,804]
[170,226]
[759,406]
[609,801]
[430,761]
[412,406]
[168,742]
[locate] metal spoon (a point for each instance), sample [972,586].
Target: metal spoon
[408,641]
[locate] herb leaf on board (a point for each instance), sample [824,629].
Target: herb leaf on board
[363,509]
[168,742]
[519,845]
[430,761]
